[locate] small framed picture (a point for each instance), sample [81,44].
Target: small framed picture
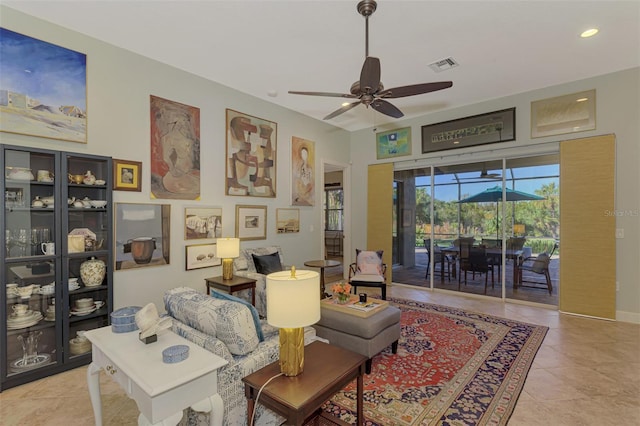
[202,222]
[287,221]
[126,175]
[251,222]
[394,143]
[201,256]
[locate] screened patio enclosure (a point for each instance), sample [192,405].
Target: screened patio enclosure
[427,208]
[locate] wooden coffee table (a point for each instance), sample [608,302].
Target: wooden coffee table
[327,369]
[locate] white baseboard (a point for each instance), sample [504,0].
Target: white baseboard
[632,317]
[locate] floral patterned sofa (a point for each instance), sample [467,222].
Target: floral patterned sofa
[244,266]
[228,329]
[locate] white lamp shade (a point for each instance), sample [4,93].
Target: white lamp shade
[293,302]
[228,248]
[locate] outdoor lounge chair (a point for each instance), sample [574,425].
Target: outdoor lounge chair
[537,265]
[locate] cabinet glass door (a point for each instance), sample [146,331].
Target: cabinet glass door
[31,260]
[88,229]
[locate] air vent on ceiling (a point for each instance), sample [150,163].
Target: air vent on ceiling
[443,65]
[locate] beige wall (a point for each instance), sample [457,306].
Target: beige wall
[119,85]
[617,111]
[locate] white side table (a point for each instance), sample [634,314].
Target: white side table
[161,391]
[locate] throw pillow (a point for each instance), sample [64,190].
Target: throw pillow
[268,263]
[540,264]
[369,262]
[254,313]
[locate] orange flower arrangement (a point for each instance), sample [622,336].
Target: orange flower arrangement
[341,292]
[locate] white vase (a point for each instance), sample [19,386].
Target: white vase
[92,272]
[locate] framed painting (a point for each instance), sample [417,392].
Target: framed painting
[175,150]
[127,175]
[251,222]
[481,129]
[303,180]
[394,143]
[564,114]
[287,221]
[142,235]
[43,89]
[202,222]
[250,166]
[201,256]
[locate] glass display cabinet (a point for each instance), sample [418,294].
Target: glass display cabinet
[57,262]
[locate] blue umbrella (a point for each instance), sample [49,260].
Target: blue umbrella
[495,194]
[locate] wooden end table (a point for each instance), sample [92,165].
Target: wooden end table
[327,369]
[322,264]
[231,286]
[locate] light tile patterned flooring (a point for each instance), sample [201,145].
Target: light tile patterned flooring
[587,372]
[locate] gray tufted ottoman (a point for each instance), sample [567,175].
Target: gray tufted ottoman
[366,336]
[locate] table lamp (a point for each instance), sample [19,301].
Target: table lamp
[292,303]
[228,249]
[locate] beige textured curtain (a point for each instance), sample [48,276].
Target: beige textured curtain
[587,227]
[379,212]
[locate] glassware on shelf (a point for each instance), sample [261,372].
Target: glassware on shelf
[30,347]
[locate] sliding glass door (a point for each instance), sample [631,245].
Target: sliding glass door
[469,227]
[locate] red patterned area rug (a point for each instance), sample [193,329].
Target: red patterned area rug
[453,367]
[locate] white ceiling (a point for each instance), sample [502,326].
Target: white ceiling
[256,47]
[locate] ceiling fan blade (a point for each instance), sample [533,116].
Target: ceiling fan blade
[386,108]
[414,89]
[341,110]
[370,75]
[333,95]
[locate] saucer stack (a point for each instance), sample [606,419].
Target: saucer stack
[29,318]
[83,307]
[79,345]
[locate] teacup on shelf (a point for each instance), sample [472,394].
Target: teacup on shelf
[25,291]
[20,309]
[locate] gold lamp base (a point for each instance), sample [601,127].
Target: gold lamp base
[291,351]
[227,269]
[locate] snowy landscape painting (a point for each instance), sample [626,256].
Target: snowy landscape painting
[43,89]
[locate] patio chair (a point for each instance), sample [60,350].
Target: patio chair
[474,259]
[537,265]
[368,271]
[439,258]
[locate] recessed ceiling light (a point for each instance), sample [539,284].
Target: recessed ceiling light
[589,33]
[345,103]
[582,99]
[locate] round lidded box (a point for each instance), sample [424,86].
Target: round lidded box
[174,354]
[123,320]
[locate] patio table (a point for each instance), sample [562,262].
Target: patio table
[496,252]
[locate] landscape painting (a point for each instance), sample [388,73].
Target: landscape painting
[43,89]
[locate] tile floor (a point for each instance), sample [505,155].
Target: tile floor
[587,372]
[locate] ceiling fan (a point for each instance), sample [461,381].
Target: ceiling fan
[369,89]
[483,175]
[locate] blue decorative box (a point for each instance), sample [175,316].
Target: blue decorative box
[174,354]
[124,319]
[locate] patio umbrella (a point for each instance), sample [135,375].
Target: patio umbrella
[495,194]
